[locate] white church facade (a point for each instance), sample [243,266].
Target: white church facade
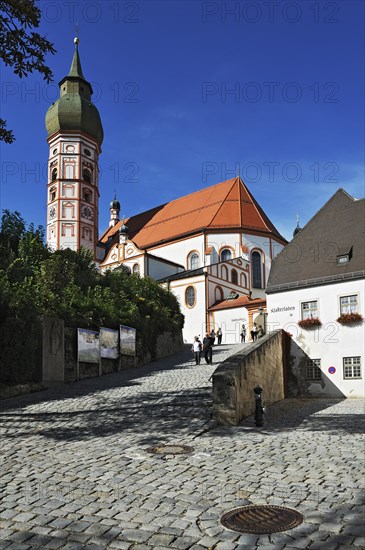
[213,248]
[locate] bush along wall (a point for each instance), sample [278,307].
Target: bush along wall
[35,282]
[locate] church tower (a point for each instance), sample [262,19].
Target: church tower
[75,135]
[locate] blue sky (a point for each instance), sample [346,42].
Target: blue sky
[192,93]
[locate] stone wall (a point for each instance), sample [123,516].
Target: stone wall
[52,345]
[60,363]
[168,343]
[233,381]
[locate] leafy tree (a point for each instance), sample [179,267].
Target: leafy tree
[20,47]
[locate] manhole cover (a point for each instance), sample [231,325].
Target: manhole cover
[170,449]
[261,520]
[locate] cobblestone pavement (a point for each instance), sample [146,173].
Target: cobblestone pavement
[77,474]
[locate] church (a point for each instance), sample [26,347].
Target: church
[213,248]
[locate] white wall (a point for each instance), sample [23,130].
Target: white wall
[195,316]
[231,321]
[178,251]
[332,341]
[158,270]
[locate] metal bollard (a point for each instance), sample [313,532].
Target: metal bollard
[259,409]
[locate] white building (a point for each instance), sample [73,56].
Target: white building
[211,245]
[320,275]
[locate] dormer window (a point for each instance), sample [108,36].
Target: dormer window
[342,259]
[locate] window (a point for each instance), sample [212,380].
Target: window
[256,270]
[86,233]
[86,175]
[87,152]
[243,280]
[344,258]
[309,310]
[87,195]
[136,269]
[348,304]
[218,294]
[190,296]
[226,254]
[351,367]
[234,277]
[52,194]
[69,171]
[313,369]
[224,273]
[193,260]
[54,174]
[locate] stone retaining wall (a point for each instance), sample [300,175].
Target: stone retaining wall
[59,354]
[233,381]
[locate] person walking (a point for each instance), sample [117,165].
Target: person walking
[243,334]
[254,332]
[208,348]
[197,349]
[219,335]
[212,335]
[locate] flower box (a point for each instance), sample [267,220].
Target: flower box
[313,322]
[349,318]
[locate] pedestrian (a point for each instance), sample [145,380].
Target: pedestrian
[212,335]
[243,334]
[208,348]
[219,335]
[254,332]
[196,348]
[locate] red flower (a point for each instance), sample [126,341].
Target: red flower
[310,323]
[348,318]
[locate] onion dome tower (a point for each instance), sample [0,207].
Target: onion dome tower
[75,135]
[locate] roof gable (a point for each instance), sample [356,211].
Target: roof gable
[311,256]
[227,205]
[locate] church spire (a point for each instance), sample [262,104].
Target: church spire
[76,70]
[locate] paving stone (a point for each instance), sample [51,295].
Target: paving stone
[92,470]
[135,535]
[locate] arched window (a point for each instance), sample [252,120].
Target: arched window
[136,269]
[218,294]
[54,174]
[224,273]
[226,254]
[193,260]
[87,195]
[52,193]
[190,296]
[86,175]
[256,270]
[243,280]
[234,277]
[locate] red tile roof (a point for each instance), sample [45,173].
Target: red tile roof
[241,301]
[227,205]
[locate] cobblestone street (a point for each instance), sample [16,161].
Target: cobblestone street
[76,473]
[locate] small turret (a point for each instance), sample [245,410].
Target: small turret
[297,229]
[114,211]
[123,234]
